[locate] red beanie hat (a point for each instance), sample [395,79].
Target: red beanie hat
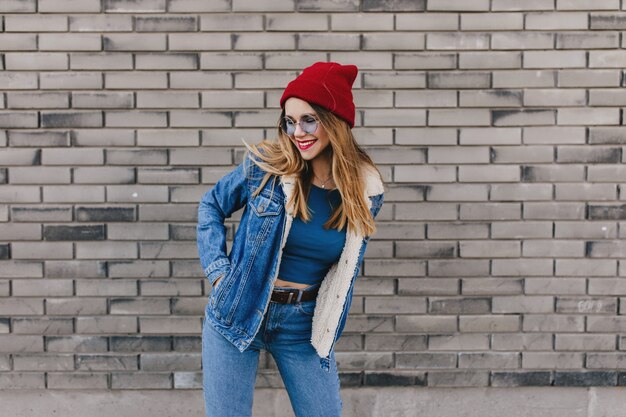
[327,84]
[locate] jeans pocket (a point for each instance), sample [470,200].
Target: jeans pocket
[306,307]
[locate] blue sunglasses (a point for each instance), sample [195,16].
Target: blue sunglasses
[308,123]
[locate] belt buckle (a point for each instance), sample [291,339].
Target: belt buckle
[298,298]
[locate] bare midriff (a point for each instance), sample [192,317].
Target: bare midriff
[280,283]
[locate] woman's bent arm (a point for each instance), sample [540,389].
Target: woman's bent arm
[228,195]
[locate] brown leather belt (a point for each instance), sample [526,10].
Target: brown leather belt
[294,295]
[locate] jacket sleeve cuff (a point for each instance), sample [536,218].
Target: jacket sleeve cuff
[217,269]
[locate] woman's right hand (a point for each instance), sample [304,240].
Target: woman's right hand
[217,280]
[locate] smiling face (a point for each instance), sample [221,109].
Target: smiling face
[310,145]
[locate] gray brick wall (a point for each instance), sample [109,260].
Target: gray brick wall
[498,126]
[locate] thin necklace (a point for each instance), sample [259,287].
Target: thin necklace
[323,182]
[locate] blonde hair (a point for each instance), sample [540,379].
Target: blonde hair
[281,157]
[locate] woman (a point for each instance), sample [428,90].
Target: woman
[286,286]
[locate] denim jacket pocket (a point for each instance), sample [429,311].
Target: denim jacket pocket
[217,290]
[263,206]
[306,307]
[266,212]
[217,282]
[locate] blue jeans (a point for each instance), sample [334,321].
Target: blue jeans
[229,375]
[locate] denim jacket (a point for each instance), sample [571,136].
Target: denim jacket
[237,305]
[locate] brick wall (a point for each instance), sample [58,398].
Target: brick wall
[498,126]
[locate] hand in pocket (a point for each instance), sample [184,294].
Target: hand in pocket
[215,284]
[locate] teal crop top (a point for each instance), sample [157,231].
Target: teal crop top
[310,249]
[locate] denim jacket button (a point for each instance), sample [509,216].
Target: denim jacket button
[261,209]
